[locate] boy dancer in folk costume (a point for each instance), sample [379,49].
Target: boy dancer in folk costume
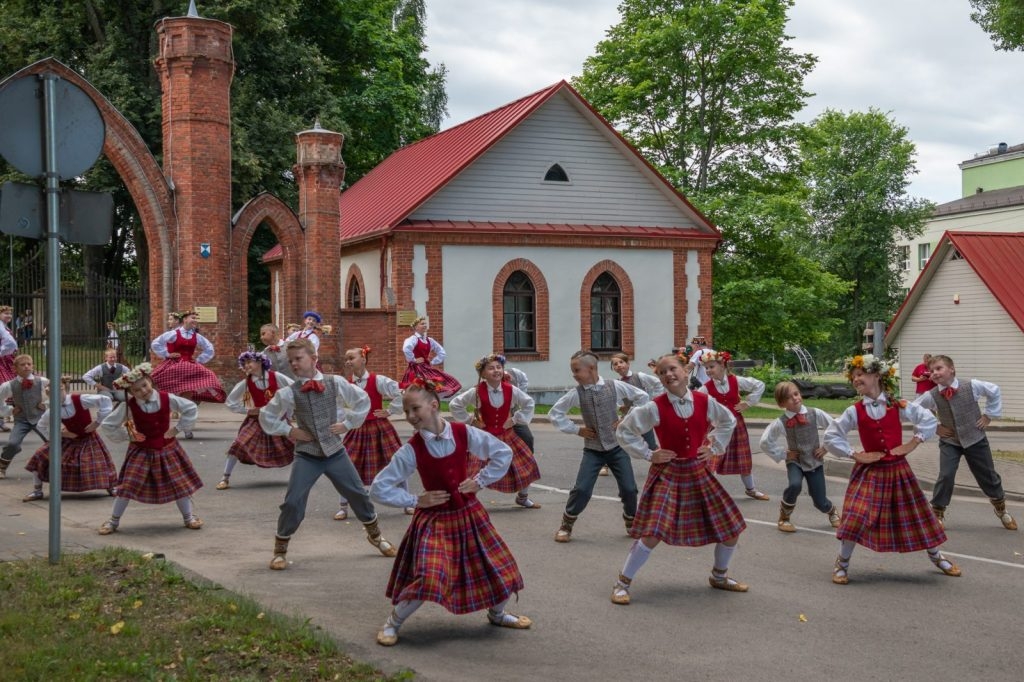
[418,350]
[22,396]
[451,553]
[273,348]
[682,503]
[325,408]
[310,330]
[103,376]
[371,444]
[599,402]
[727,388]
[651,385]
[182,371]
[884,508]
[793,437]
[252,445]
[493,401]
[85,463]
[156,469]
[962,434]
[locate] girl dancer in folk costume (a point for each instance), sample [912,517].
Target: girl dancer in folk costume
[727,388]
[156,469]
[85,463]
[310,330]
[371,444]
[252,445]
[418,350]
[273,348]
[451,553]
[8,345]
[884,508]
[683,504]
[793,437]
[103,376]
[182,371]
[498,406]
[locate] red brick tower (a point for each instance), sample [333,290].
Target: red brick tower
[196,66]
[319,171]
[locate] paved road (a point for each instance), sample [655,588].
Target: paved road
[898,618]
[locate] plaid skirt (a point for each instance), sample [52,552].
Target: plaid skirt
[182,377]
[253,445]
[449,384]
[85,464]
[736,459]
[157,476]
[371,446]
[684,505]
[454,558]
[885,510]
[521,473]
[7,368]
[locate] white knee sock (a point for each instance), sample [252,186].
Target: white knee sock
[120,504]
[36,481]
[229,465]
[846,549]
[638,555]
[748,481]
[723,555]
[185,507]
[406,608]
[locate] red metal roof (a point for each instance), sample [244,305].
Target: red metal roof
[996,257]
[385,196]
[276,253]
[478,227]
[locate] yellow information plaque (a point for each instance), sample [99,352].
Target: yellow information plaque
[406,317]
[207,314]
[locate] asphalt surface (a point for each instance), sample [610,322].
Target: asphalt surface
[898,618]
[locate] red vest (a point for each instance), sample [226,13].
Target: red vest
[444,473]
[879,435]
[422,348]
[152,426]
[77,422]
[376,399]
[494,417]
[187,347]
[682,436]
[261,396]
[730,399]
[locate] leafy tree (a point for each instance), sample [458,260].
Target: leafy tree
[706,89]
[1003,20]
[858,166]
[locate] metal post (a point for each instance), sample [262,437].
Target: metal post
[53,330]
[878,338]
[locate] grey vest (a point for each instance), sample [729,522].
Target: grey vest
[960,413]
[315,412]
[803,438]
[599,413]
[108,376]
[27,399]
[279,362]
[633,380]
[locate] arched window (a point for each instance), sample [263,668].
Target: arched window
[605,314]
[519,314]
[556,174]
[355,296]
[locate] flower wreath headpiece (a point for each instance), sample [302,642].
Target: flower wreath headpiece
[429,385]
[253,355]
[721,356]
[873,364]
[487,359]
[128,378]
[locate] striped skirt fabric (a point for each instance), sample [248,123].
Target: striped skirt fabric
[449,384]
[255,446]
[157,476]
[370,447]
[189,380]
[736,459]
[521,473]
[7,368]
[885,510]
[454,558]
[85,464]
[682,504]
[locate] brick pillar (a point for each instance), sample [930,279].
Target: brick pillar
[195,66]
[319,171]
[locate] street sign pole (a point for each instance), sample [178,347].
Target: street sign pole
[53,329]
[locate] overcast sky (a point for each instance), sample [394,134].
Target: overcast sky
[924,61]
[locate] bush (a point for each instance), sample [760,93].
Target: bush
[770,375]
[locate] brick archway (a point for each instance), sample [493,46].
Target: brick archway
[628,303]
[541,305]
[354,273]
[144,179]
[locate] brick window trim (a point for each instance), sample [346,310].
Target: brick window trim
[354,273]
[628,338]
[541,306]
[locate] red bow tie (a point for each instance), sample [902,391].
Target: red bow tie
[312,385]
[274,349]
[26,384]
[795,420]
[948,392]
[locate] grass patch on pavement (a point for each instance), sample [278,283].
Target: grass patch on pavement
[113,614]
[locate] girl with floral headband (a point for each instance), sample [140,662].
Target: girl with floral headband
[252,445]
[371,444]
[729,389]
[884,508]
[497,407]
[424,354]
[156,469]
